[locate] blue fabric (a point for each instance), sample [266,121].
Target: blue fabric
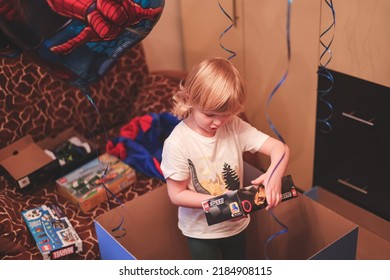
[144,153]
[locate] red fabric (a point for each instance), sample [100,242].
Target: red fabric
[131,129]
[118,150]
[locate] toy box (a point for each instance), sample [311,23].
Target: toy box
[27,163]
[243,201]
[52,232]
[84,185]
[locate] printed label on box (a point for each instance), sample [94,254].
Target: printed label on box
[23,182]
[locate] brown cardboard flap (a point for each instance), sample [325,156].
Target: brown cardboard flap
[311,229]
[23,157]
[151,228]
[16,146]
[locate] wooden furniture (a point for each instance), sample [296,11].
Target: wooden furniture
[352,157]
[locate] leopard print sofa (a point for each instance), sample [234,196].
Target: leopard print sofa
[35,103]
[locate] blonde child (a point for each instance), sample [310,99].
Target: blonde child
[202,157]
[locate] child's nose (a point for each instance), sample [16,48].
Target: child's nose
[217,121]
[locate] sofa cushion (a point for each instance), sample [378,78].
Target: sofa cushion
[39,104]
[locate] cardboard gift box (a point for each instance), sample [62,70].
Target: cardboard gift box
[25,162]
[243,201]
[84,185]
[314,231]
[52,232]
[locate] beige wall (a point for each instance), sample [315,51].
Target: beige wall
[204,31]
[163,46]
[361,44]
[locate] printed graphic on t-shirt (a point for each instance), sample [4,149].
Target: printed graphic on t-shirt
[229,176]
[232,181]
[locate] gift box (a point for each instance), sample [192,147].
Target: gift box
[91,183]
[145,228]
[52,231]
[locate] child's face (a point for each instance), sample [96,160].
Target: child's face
[207,123]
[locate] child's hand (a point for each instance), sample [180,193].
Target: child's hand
[259,180]
[273,193]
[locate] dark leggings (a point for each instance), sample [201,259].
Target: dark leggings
[229,248]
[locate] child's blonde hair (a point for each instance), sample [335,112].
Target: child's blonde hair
[214,85]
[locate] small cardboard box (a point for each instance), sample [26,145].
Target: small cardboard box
[25,162]
[52,232]
[84,185]
[243,201]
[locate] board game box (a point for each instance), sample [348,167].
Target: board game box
[242,201]
[52,231]
[84,185]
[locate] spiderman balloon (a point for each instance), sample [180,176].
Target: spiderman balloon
[76,40]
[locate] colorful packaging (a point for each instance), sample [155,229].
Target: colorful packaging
[52,232]
[84,185]
[243,201]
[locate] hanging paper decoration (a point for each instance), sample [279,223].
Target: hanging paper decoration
[324,76]
[272,126]
[232,53]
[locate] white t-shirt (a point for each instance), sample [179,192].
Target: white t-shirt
[213,164]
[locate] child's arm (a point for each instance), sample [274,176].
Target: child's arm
[181,196]
[273,184]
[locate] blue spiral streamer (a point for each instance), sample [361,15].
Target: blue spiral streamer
[323,72]
[118,230]
[282,80]
[232,53]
